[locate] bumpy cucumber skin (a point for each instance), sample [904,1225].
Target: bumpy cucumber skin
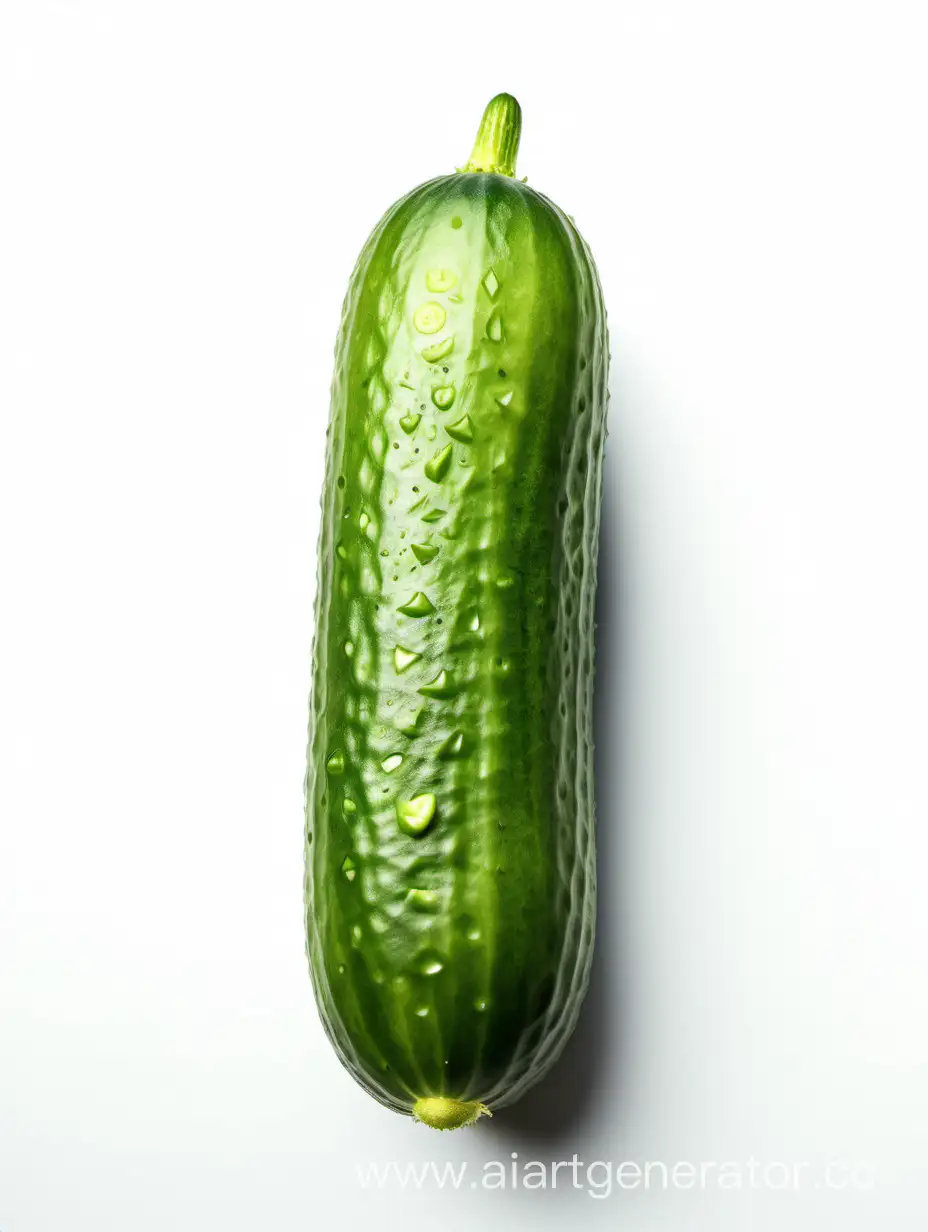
[471,989]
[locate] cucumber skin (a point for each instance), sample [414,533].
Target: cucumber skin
[509,858]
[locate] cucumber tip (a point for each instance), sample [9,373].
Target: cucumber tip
[442,1113]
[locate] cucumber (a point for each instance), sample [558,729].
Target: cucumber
[450,864]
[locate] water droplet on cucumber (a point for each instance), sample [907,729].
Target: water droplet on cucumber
[440,279]
[442,686]
[452,747]
[408,725]
[426,901]
[438,350]
[403,658]
[437,467]
[424,552]
[418,606]
[443,396]
[429,318]
[336,764]
[462,431]
[415,815]
[431,963]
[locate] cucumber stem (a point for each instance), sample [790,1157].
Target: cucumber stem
[442,1113]
[498,136]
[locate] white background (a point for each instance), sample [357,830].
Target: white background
[184,187]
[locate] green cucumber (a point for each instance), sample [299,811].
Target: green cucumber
[450,864]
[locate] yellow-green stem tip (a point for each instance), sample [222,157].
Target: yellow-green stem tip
[442,1113]
[497,141]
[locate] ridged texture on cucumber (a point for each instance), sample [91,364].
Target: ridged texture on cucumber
[450,875]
